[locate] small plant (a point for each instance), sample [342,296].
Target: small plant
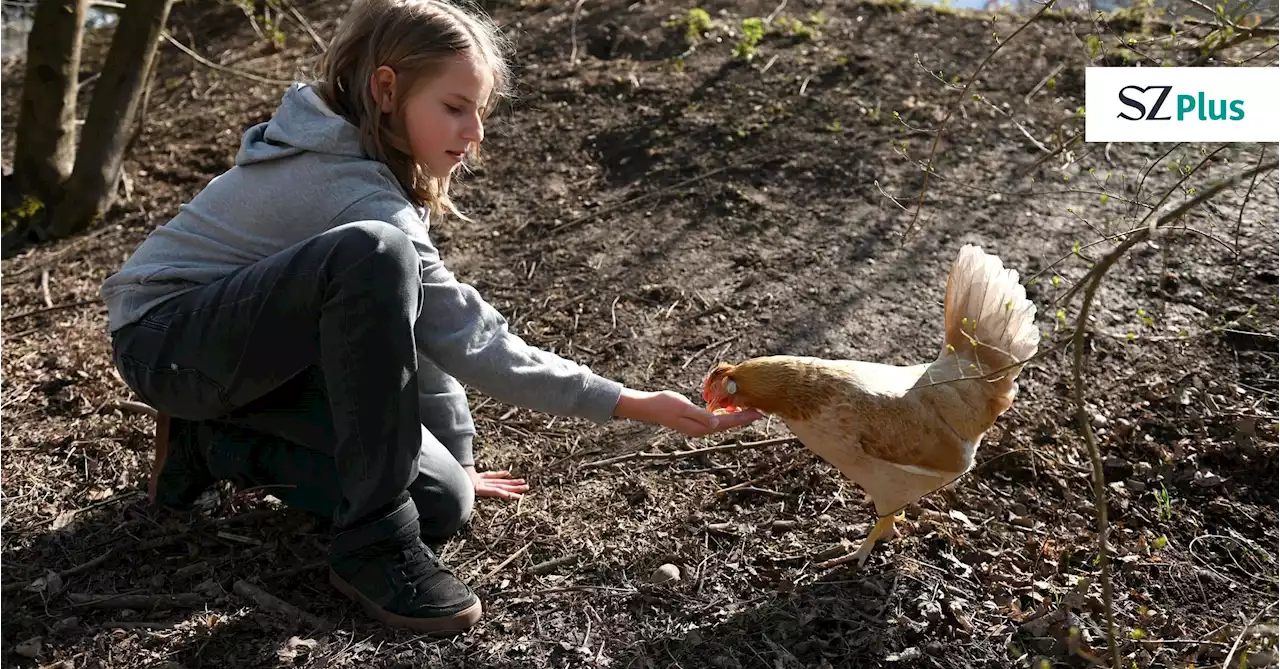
[797,29]
[696,23]
[752,33]
[1164,504]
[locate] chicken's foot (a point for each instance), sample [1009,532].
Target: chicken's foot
[884,527]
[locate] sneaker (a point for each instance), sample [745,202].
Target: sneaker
[386,567]
[179,470]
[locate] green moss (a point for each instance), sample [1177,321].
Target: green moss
[31,209]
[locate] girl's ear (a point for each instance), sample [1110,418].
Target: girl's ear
[382,85]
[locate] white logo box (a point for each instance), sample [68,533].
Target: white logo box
[1182,104]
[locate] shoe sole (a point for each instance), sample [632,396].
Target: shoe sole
[444,625]
[160,454]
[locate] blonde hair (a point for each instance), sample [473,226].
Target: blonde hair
[415,38]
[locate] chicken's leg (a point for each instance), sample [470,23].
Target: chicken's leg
[884,526]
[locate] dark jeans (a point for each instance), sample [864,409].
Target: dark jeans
[303,367]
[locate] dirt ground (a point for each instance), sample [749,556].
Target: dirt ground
[648,211]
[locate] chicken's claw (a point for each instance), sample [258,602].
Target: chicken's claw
[884,527]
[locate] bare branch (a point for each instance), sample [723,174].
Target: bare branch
[937,137]
[688,454]
[223,68]
[1240,218]
[1094,279]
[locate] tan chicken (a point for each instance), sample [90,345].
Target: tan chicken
[900,433]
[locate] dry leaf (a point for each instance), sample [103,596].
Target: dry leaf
[964,520]
[50,584]
[64,519]
[294,647]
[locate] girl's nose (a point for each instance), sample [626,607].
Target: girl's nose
[474,131]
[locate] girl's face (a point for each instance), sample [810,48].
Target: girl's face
[440,115]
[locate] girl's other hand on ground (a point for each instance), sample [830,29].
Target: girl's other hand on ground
[673,410]
[496,484]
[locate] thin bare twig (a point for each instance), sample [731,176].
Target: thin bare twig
[306,25]
[1226,664]
[1240,218]
[65,573]
[1093,281]
[776,11]
[937,136]
[676,455]
[133,407]
[706,348]
[573,32]
[44,288]
[272,603]
[503,565]
[45,310]
[223,68]
[773,474]
[185,600]
[552,564]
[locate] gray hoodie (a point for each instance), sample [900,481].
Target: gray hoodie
[302,173]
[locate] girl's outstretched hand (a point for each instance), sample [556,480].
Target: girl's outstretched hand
[673,410]
[496,484]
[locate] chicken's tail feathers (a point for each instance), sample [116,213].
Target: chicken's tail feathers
[989,319]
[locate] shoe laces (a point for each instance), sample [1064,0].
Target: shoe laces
[418,562]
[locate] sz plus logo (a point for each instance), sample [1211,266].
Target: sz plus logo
[1182,104]
[1140,105]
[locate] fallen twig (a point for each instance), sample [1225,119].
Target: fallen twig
[45,310]
[44,289]
[502,565]
[573,32]
[688,454]
[185,600]
[549,565]
[1226,664]
[708,347]
[762,478]
[134,407]
[64,574]
[136,626]
[270,602]
[122,497]
[223,68]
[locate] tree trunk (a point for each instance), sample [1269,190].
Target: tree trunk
[45,142]
[91,189]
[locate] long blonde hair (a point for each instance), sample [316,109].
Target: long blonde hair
[415,38]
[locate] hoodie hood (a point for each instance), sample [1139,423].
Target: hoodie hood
[302,122]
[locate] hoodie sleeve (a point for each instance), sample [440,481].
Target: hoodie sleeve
[467,338]
[444,411]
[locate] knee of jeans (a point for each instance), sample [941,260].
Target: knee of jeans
[444,507]
[379,246]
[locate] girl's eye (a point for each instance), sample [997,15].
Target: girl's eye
[453,110]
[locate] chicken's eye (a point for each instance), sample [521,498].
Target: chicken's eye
[730,387]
